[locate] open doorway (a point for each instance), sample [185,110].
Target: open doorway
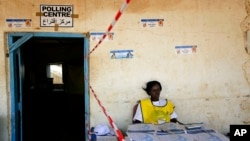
[48,91]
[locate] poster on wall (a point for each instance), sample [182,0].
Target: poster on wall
[152,22]
[121,54]
[186,49]
[56,15]
[96,36]
[19,23]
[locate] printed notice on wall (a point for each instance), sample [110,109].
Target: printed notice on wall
[96,36]
[121,54]
[186,49]
[60,15]
[152,22]
[19,23]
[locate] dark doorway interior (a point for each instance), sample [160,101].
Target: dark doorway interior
[53,111]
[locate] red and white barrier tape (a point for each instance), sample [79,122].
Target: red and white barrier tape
[118,133]
[88,130]
[117,16]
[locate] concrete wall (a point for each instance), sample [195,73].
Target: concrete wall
[211,85]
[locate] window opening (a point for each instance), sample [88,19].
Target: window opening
[55,73]
[55,76]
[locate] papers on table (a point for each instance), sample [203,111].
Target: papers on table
[172,131]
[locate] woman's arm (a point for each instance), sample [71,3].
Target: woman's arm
[137,117]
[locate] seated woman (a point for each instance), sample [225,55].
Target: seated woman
[154,110]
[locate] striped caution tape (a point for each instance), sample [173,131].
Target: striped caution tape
[117,16]
[118,133]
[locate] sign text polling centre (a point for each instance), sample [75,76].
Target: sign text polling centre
[60,15]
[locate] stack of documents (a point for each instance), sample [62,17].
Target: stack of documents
[169,128]
[172,132]
[198,128]
[141,132]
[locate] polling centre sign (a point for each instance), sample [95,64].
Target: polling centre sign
[56,15]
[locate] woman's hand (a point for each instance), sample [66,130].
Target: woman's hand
[174,120]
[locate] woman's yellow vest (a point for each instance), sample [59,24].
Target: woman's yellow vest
[154,114]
